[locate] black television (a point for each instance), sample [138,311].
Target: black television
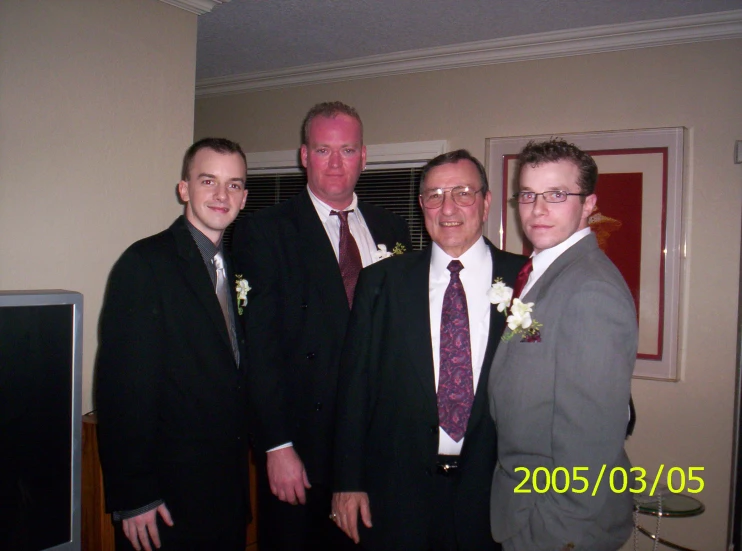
[40,420]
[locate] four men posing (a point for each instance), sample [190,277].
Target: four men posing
[394,436]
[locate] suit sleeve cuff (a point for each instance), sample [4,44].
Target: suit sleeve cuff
[123,515]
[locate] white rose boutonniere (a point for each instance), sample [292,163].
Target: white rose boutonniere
[500,294]
[520,321]
[242,289]
[383,253]
[518,313]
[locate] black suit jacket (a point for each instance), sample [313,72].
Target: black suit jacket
[387,417]
[171,400]
[295,323]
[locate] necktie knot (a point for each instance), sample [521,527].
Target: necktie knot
[455,266]
[342,214]
[219,261]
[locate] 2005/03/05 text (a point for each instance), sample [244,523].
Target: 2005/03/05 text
[558,479]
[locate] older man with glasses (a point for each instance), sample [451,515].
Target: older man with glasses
[415,447]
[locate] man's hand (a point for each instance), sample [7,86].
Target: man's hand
[141,528]
[287,476]
[345,508]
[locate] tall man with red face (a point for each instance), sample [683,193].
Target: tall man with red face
[171,373]
[301,259]
[415,445]
[560,388]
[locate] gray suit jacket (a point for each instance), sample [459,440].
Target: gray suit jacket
[563,402]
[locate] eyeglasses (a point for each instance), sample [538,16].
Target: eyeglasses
[463,196]
[556,196]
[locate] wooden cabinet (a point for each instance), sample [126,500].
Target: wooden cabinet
[97,528]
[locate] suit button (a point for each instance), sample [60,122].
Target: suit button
[318,406]
[434,429]
[304,306]
[429,471]
[310,355]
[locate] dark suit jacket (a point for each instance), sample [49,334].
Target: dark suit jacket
[296,322]
[563,403]
[387,416]
[171,400]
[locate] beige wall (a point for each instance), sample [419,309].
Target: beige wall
[698,86]
[96,109]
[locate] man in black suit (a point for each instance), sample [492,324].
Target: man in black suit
[415,446]
[302,259]
[170,389]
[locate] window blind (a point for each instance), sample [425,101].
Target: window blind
[394,189]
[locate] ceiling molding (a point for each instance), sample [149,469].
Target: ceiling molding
[588,40]
[195,6]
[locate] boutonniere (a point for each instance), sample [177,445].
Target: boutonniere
[242,289]
[518,313]
[383,253]
[520,321]
[500,294]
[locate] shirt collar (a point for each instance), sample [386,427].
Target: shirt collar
[205,246]
[545,258]
[323,209]
[475,256]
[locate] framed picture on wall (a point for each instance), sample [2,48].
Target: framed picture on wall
[637,221]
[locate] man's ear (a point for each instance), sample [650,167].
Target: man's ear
[183,191]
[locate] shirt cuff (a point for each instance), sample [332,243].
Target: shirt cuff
[282,446]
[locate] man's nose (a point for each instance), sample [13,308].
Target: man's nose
[220,192]
[540,206]
[335,159]
[448,206]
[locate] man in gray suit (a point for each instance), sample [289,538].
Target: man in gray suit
[560,382]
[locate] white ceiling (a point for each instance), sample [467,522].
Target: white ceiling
[253,37]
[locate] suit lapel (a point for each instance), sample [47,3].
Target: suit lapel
[319,256]
[197,277]
[414,297]
[583,246]
[380,231]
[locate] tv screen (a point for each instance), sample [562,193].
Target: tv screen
[40,420]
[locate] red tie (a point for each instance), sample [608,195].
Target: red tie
[522,278]
[349,258]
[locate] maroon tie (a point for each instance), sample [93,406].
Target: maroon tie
[349,258]
[455,379]
[522,278]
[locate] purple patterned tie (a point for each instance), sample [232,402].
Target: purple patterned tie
[349,258]
[455,379]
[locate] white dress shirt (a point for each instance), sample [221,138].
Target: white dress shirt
[358,228]
[546,258]
[476,277]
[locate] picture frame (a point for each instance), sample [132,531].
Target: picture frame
[638,222]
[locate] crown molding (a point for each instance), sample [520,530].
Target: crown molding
[588,40]
[195,6]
